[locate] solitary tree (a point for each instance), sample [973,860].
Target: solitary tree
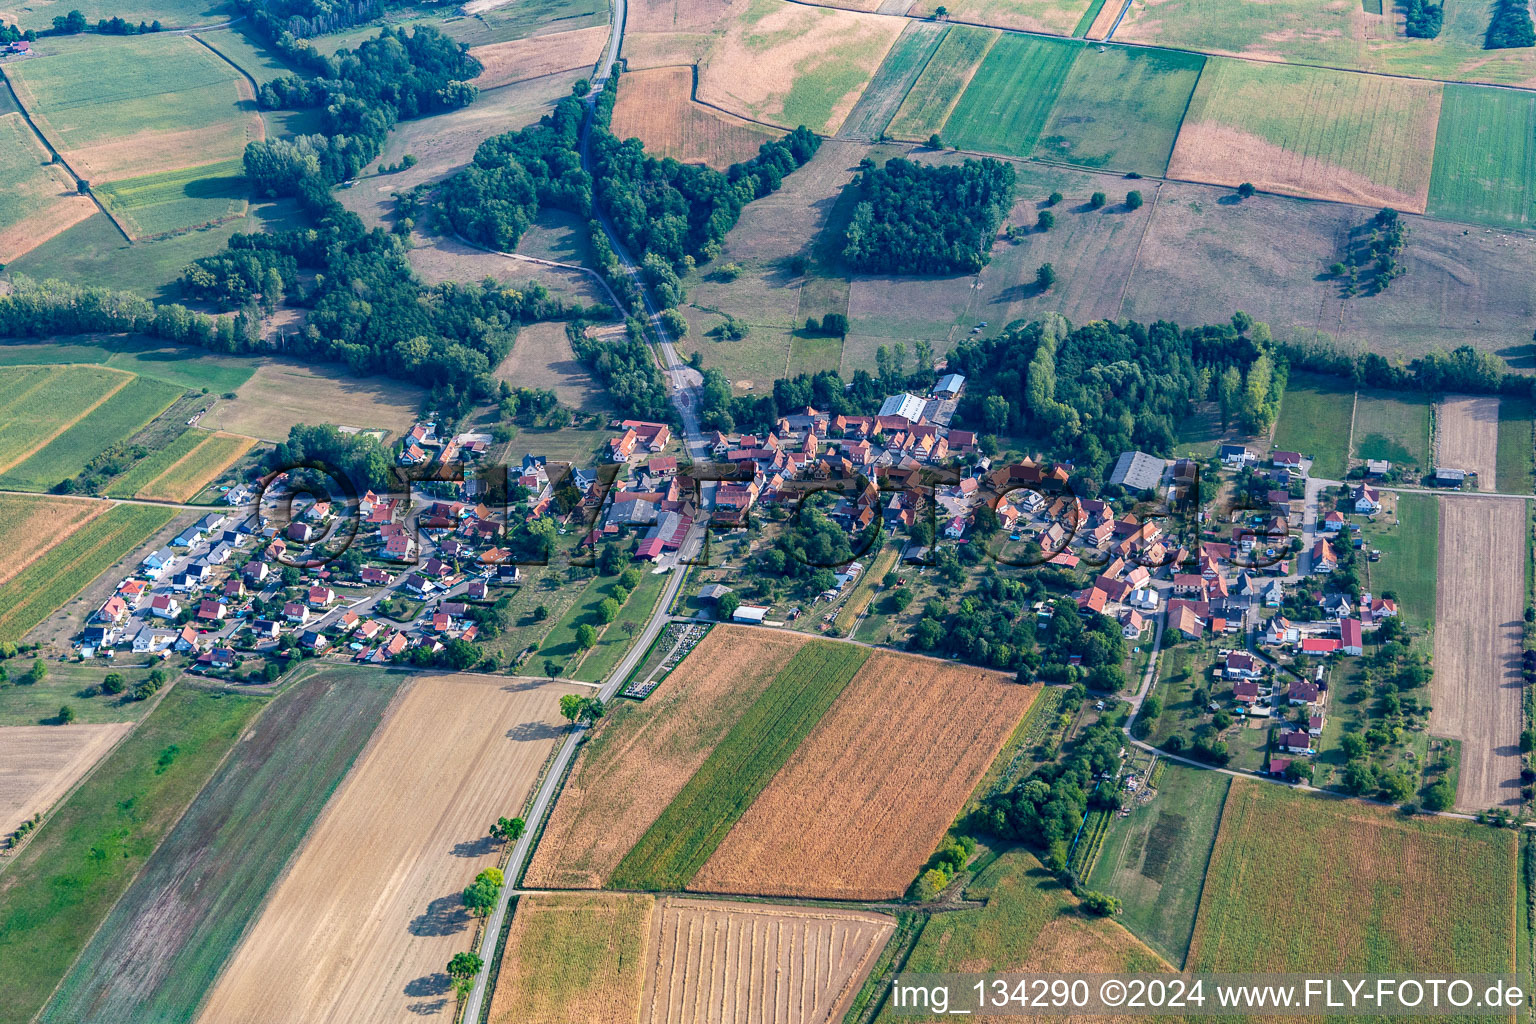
[941,12]
[1246,189]
[1045,277]
[586,635]
[462,969]
[1046,221]
[510,829]
[1055,198]
[934,142]
[1097,200]
[1133,200]
[726,606]
[113,683]
[66,715]
[607,610]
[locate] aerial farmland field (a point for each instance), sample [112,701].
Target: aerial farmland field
[30,527]
[1393,426]
[375,882]
[40,763]
[885,92]
[179,200]
[37,198]
[1050,17]
[656,106]
[63,883]
[281,394]
[1517,445]
[182,469]
[866,797]
[1485,156]
[1383,892]
[643,755]
[137,106]
[1467,436]
[122,415]
[692,827]
[1314,420]
[1408,544]
[40,403]
[928,102]
[166,940]
[1009,97]
[536,56]
[1311,132]
[1120,108]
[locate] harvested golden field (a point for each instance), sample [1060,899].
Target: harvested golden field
[40,763]
[789,64]
[1479,604]
[574,957]
[37,197]
[369,911]
[1373,890]
[30,527]
[1052,17]
[280,395]
[755,964]
[1467,436]
[541,357]
[643,754]
[536,56]
[1105,19]
[865,799]
[1311,132]
[656,107]
[188,475]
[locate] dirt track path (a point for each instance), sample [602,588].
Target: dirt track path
[1479,610]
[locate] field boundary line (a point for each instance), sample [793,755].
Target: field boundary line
[1354,412]
[17,568]
[1146,229]
[943,34]
[209,436]
[7,467]
[1205,872]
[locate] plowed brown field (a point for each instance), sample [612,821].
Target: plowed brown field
[1467,436]
[370,910]
[656,107]
[867,796]
[753,964]
[39,764]
[643,755]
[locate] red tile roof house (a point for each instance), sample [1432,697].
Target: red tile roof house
[319,597]
[1246,692]
[1349,634]
[1242,665]
[212,611]
[1296,742]
[1319,645]
[1301,692]
[295,612]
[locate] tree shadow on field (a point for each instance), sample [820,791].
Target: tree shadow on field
[523,685]
[525,732]
[444,916]
[476,848]
[436,984]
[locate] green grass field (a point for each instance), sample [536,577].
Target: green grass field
[117,419]
[621,632]
[1485,156]
[38,402]
[930,99]
[42,587]
[185,366]
[1409,553]
[1314,420]
[1154,859]
[1375,892]
[181,200]
[248,53]
[39,14]
[59,889]
[1011,95]
[900,69]
[1120,108]
[161,947]
[1516,473]
[1395,426]
[758,745]
[75,683]
[28,185]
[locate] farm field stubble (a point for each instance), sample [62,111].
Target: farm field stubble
[537,56]
[121,416]
[928,102]
[280,395]
[1051,17]
[1120,108]
[1384,893]
[1485,156]
[688,832]
[1314,420]
[30,527]
[1467,428]
[1480,599]
[1392,425]
[1010,95]
[805,964]
[162,946]
[60,887]
[378,881]
[37,199]
[39,764]
[867,795]
[574,957]
[656,106]
[902,65]
[1311,132]
[643,754]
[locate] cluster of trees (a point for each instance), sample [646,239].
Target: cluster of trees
[578,710]
[1370,260]
[49,308]
[532,407]
[305,19]
[480,895]
[953,854]
[1511,25]
[920,219]
[149,687]
[806,550]
[628,370]
[1462,369]
[13,34]
[992,627]
[74,23]
[1093,638]
[114,460]
[1422,18]
[364,461]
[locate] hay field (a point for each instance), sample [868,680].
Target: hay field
[40,763]
[1392,425]
[187,476]
[643,755]
[1120,108]
[39,14]
[541,357]
[804,966]
[1051,17]
[1467,436]
[886,91]
[1478,607]
[124,413]
[37,199]
[866,797]
[369,912]
[1311,132]
[656,106]
[181,200]
[281,394]
[1010,95]
[537,56]
[30,527]
[790,65]
[1485,156]
[1378,892]
[138,105]
[1104,20]
[574,957]
[931,98]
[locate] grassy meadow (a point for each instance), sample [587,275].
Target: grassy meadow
[1485,156]
[179,200]
[1395,426]
[900,69]
[75,683]
[185,366]
[1516,472]
[61,887]
[616,638]
[1314,420]
[929,101]
[1409,549]
[762,740]
[1011,94]
[38,403]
